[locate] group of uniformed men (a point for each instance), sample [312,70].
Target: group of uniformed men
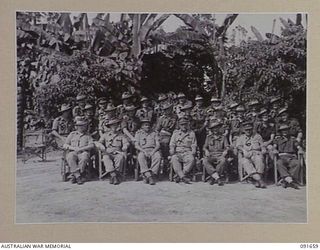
[174,131]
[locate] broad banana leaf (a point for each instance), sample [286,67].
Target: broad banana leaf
[192,22]
[257,34]
[65,22]
[226,24]
[151,24]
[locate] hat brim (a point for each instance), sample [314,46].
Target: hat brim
[248,127]
[167,107]
[126,97]
[113,123]
[63,110]
[81,124]
[144,121]
[109,110]
[215,126]
[284,128]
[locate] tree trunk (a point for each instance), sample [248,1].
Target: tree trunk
[20,116]
[136,48]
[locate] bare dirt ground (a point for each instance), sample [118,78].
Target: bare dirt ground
[43,198]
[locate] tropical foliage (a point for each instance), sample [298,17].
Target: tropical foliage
[57,58]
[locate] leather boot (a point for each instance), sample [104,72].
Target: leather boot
[79,180]
[151,180]
[220,183]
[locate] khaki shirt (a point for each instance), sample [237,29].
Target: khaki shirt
[254,142]
[77,139]
[198,113]
[178,107]
[166,124]
[77,111]
[146,140]
[144,114]
[216,143]
[114,142]
[294,126]
[286,145]
[235,126]
[130,123]
[62,126]
[183,141]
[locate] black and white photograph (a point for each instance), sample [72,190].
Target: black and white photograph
[161,117]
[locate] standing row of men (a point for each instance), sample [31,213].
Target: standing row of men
[174,130]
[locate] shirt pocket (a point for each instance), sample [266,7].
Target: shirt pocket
[188,141]
[75,142]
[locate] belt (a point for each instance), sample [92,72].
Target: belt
[165,132]
[287,154]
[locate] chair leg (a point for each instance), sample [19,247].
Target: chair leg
[100,165]
[275,169]
[203,172]
[301,163]
[170,172]
[240,171]
[136,171]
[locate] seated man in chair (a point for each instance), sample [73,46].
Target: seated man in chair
[252,148]
[286,147]
[148,145]
[114,146]
[183,146]
[216,151]
[78,143]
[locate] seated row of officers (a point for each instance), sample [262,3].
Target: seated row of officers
[177,133]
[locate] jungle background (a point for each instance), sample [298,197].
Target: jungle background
[60,55]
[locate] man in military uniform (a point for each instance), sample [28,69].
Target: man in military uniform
[110,113]
[62,125]
[251,147]
[93,123]
[148,145]
[182,101]
[275,104]
[79,143]
[145,112]
[199,123]
[101,107]
[253,106]
[217,153]
[127,99]
[81,103]
[288,165]
[114,146]
[183,146]
[215,110]
[264,128]
[130,124]
[162,100]
[292,123]
[235,124]
[198,111]
[185,111]
[165,127]
[233,106]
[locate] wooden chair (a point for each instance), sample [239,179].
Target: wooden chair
[302,164]
[194,173]
[102,171]
[65,169]
[35,143]
[242,175]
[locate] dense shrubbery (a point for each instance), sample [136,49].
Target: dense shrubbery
[58,60]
